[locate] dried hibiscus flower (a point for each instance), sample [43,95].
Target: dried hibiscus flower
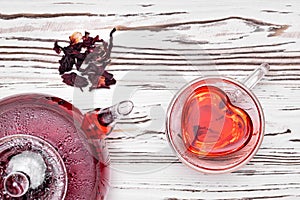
[75,80]
[95,56]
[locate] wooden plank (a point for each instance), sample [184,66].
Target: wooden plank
[159,47]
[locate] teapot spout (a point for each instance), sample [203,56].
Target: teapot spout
[123,108]
[100,122]
[116,111]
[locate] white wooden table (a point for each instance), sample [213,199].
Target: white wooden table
[169,43]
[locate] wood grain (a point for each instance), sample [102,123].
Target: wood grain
[159,47]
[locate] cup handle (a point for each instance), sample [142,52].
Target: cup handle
[252,80]
[256,75]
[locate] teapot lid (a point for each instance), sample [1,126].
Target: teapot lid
[31,165]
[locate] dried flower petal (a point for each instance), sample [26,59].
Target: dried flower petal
[101,81]
[92,68]
[66,64]
[57,48]
[75,38]
[110,82]
[112,32]
[89,42]
[75,80]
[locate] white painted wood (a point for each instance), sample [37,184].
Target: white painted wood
[228,38]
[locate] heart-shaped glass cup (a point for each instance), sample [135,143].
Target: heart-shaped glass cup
[216,124]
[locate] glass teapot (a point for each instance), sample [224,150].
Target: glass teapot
[50,150]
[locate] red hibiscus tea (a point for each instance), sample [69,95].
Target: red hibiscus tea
[212,126]
[215,125]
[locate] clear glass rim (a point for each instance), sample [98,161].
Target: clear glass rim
[249,156]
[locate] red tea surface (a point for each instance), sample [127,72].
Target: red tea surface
[212,125]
